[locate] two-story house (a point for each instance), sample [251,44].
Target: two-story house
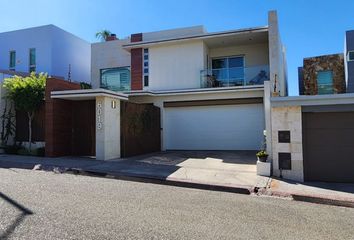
[47,49]
[213,88]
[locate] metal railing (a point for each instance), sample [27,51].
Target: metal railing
[229,77]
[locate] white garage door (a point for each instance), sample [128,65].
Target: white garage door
[225,127]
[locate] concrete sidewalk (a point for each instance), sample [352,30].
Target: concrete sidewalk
[338,194]
[186,169]
[195,171]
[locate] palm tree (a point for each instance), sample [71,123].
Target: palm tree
[102,35]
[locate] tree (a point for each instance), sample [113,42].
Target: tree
[27,93]
[103,35]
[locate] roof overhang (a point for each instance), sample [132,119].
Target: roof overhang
[206,36]
[87,94]
[316,100]
[197,91]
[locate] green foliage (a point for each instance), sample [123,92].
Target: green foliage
[8,126]
[102,35]
[13,149]
[40,152]
[85,85]
[26,92]
[262,154]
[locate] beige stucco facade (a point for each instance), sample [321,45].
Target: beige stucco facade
[176,66]
[107,128]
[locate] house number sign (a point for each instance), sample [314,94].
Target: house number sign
[99,115]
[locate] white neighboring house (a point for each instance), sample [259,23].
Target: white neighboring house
[213,89]
[45,49]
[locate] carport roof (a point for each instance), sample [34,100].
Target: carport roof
[87,94]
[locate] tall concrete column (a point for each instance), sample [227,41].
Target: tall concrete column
[268,117]
[107,128]
[276,56]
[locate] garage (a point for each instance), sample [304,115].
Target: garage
[328,145]
[222,126]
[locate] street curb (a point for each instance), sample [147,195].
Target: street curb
[247,190]
[318,199]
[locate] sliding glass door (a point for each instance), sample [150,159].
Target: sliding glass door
[229,71]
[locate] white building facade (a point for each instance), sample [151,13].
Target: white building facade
[46,49]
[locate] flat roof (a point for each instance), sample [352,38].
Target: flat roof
[197,36]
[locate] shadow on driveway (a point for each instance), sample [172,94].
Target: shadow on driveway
[24,212]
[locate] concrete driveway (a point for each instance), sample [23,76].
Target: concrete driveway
[226,169]
[212,167]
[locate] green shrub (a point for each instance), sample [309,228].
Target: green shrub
[12,149]
[40,152]
[262,154]
[23,151]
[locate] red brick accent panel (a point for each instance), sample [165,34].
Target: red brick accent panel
[58,119]
[136,37]
[137,69]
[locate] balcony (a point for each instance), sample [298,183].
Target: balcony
[236,76]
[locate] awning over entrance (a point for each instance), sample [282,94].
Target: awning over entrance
[82,121]
[87,94]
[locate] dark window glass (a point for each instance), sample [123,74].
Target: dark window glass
[146,81]
[146,57]
[146,70]
[12,59]
[116,79]
[235,62]
[146,64]
[325,82]
[146,50]
[219,63]
[32,56]
[351,56]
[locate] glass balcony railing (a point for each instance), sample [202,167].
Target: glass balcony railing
[230,77]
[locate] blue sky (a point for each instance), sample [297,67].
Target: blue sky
[308,28]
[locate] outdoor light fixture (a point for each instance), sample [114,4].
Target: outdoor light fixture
[113,104]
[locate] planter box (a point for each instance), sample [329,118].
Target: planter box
[264,168]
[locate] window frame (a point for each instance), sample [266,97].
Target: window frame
[331,84]
[228,68]
[12,67]
[145,67]
[31,66]
[116,68]
[348,58]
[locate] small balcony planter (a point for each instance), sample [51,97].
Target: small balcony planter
[262,156]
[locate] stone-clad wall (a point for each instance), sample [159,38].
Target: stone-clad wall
[313,65]
[288,119]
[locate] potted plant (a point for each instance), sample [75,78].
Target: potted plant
[262,156]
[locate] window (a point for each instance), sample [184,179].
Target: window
[116,79]
[325,82]
[351,56]
[229,70]
[146,67]
[32,60]
[12,64]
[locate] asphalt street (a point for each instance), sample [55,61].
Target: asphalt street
[45,205]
